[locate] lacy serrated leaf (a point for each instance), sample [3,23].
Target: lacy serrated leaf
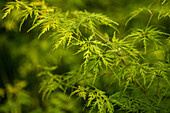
[148,36]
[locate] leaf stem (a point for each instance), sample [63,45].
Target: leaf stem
[150,18]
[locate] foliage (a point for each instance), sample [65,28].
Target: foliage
[16,97]
[143,79]
[96,97]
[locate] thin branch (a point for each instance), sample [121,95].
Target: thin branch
[142,89]
[124,62]
[121,59]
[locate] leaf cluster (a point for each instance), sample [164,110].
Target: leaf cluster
[121,58]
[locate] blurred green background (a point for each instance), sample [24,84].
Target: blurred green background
[21,54]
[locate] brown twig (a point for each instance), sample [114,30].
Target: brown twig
[140,86]
[142,89]
[121,59]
